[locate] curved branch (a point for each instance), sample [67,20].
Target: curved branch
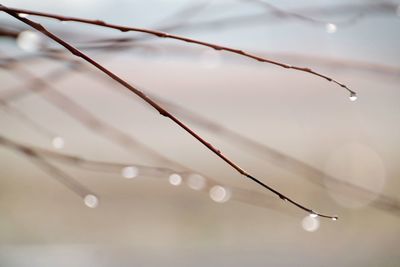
[15,12]
[157,107]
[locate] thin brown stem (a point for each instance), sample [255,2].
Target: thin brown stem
[15,12]
[156,106]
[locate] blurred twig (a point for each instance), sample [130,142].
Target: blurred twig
[56,173]
[39,156]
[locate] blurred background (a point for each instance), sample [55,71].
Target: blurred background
[92,176]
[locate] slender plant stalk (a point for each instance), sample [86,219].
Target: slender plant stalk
[276,11]
[246,196]
[15,13]
[56,173]
[355,12]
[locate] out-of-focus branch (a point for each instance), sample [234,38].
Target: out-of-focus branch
[271,15]
[40,156]
[8,33]
[53,171]
[337,63]
[304,14]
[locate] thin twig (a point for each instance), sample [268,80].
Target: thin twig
[15,12]
[47,167]
[246,196]
[279,12]
[156,106]
[357,10]
[8,33]
[341,64]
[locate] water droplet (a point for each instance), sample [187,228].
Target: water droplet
[353,97]
[219,194]
[58,142]
[196,182]
[175,179]
[330,28]
[91,201]
[129,172]
[310,224]
[29,41]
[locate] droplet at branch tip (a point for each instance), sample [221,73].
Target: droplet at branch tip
[91,201]
[353,96]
